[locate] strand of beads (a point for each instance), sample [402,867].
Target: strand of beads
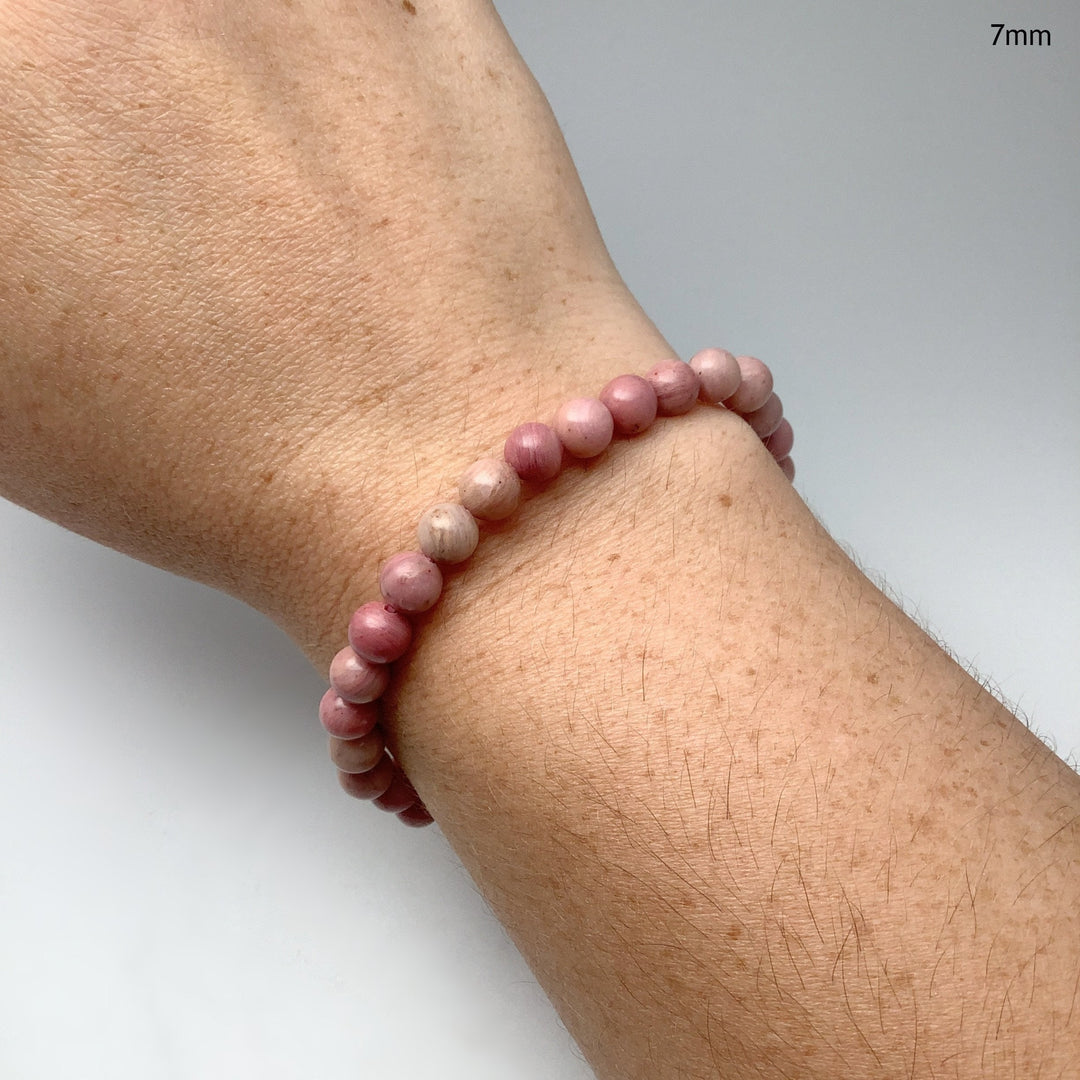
[490,490]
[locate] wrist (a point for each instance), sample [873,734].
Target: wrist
[526,543]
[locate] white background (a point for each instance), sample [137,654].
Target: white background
[872,198]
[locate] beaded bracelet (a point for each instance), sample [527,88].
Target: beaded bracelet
[490,490]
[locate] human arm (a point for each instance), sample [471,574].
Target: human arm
[494,417]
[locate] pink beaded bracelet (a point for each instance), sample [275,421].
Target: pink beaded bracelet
[411,582]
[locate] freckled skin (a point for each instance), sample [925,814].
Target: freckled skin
[741,815]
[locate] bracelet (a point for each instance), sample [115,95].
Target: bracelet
[411,582]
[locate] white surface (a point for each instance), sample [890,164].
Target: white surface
[877,202]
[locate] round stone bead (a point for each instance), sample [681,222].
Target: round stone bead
[490,489]
[379,632]
[535,452]
[676,385]
[767,419]
[448,533]
[410,581]
[370,784]
[788,467]
[358,755]
[345,719]
[631,400]
[755,387]
[780,442]
[356,679]
[719,373]
[400,795]
[417,816]
[584,426]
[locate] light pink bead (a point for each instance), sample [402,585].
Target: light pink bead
[379,632]
[780,442]
[345,719]
[788,467]
[535,452]
[410,581]
[755,388]
[356,679]
[358,755]
[584,426]
[370,784]
[490,489]
[676,385]
[448,533]
[631,400]
[767,419]
[719,373]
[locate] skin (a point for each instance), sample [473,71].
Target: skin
[271,276]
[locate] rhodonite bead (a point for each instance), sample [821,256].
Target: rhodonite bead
[358,755]
[346,719]
[448,533]
[370,784]
[676,385]
[379,632]
[584,426]
[780,442]
[490,489]
[415,816]
[719,373]
[631,400]
[767,419]
[755,387]
[410,581]
[356,679]
[788,467]
[535,452]
[400,795]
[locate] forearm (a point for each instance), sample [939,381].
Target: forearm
[734,807]
[267,284]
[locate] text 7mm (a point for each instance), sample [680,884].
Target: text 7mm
[1019,37]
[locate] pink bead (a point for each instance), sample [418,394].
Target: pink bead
[719,373]
[410,581]
[490,489]
[358,755]
[788,467]
[631,400]
[535,452]
[356,679]
[780,442]
[584,426]
[417,816]
[755,388]
[767,419]
[676,385]
[400,795]
[345,719]
[370,784]
[379,632]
